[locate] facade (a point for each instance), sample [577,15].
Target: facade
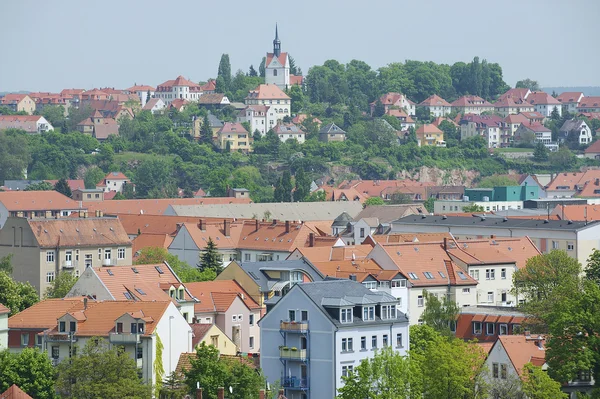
[578,128]
[18,103]
[395,101]
[272,96]
[503,193]
[593,151]
[215,100]
[512,105]
[32,204]
[448,207]
[155,105]
[210,334]
[144,93]
[88,194]
[589,105]
[99,126]
[260,117]
[542,135]
[235,136]
[114,181]
[4,312]
[544,103]
[486,323]
[319,332]
[41,248]
[289,131]
[331,132]
[34,124]
[180,88]
[436,105]
[430,135]
[490,127]
[570,101]
[472,105]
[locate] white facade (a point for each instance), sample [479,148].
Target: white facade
[299,137]
[498,360]
[361,230]
[278,73]
[3,331]
[143,95]
[439,110]
[251,255]
[546,109]
[464,296]
[449,207]
[261,118]
[494,284]
[158,106]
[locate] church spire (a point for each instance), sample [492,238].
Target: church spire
[276,44]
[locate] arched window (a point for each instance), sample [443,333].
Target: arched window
[274,72]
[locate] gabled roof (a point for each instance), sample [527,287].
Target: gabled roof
[147,240]
[179,81]
[518,94]
[211,85]
[494,251]
[287,128]
[344,269]
[218,295]
[540,97]
[328,253]
[267,92]
[471,101]
[216,232]
[283,57]
[15,201]
[232,127]
[13,98]
[116,176]
[213,98]
[574,180]
[522,349]
[158,224]
[342,194]
[589,102]
[577,212]
[273,236]
[536,127]
[483,120]
[152,103]
[4,309]
[434,101]
[78,232]
[331,128]
[342,220]
[410,237]
[140,88]
[570,97]
[43,314]
[428,128]
[593,148]
[516,119]
[14,392]
[258,271]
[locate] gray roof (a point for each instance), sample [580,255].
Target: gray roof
[16,185]
[466,221]
[332,128]
[214,121]
[303,211]
[388,213]
[256,270]
[571,124]
[492,310]
[342,220]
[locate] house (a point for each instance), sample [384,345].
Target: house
[395,101]
[41,248]
[138,327]
[227,305]
[405,120]
[277,106]
[342,194]
[144,92]
[538,132]
[4,312]
[427,267]
[576,238]
[436,106]
[211,334]
[147,240]
[34,124]
[238,192]
[98,126]
[268,279]
[111,109]
[14,392]
[593,151]
[145,283]
[18,103]
[589,105]
[289,131]
[32,204]
[576,212]
[300,118]
[429,135]
[578,130]
[517,94]
[234,136]
[179,88]
[512,123]
[472,105]
[94,94]
[214,100]
[331,132]
[544,103]
[512,105]
[490,127]
[88,194]
[572,184]
[487,323]
[191,239]
[319,332]
[154,105]
[114,181]
[570,100]
[260,117]
[209,87]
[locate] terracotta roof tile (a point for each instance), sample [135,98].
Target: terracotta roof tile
[218,295]
[15,201]
[273,236]
[521,350]
[156,206]
[159,224]
[199,331]
[185,361]
[78,232]
[43,314]
[594,148]
[361,268]
[495,251]
[577,212]
[146,240]
[406,237]
[589,102]
[428,129]
[14,392]
[216,232]
[570,97]
[435,101]
[267,91]
[4,309]
[540,97]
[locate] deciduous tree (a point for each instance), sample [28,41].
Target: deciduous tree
[61,285]
[497,181]
[538,385]
[30,369]
[15,295]
[373,201]
[541,152]
[532,85]
[93,176]
[440,315]
[41,186]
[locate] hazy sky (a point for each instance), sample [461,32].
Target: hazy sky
[51,45]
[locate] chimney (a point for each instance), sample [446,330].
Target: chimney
[199,393]
[201,225]
[261,394]
[287,226]
[311,240]
[445,243]
[96,213]
[226,228]
[220,393]
[85,303]
[492,236]
[256,225]
[274,221]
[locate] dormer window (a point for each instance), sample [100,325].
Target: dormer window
[346,315]
[180,297]
[137,328]
[62,326]
[368,313]
[172,292]
[388,311]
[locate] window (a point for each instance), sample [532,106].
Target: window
[72,326]
[25,339]
[49,277]
[292,315]
[251,342]
[399,340]
[363,343]
[554,244]
[140,352]
[368,313]
[503,329]
[119,327]
[234,318]
[347,345]
[374,342]
[251,319]
[495,370]
[503,274]
[490,274]
[490,328]
[99,253]
[584,376]
[88,260]
[121,253]
[466,290]
[362,232]
[107,253]
[476,327]
[240,317]
[304,314]
[398,283]
[55,352]
[413,276]
[346,316]
[420,301]
[247,257]
[385,340]
[388,311]
[474,274]
[428,275]
[490,296]
[68,256]
[347,371]
[503,371]
[372,285]
[570,246]
[49,256]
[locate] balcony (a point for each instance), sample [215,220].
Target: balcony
[109,262]
[69,264]
[124,338]
[61,337]
[291,354]
[294,326]
[294,383]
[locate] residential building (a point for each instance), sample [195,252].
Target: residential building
[512,105]
[395,101]
[517,94]
[331,132]
[234,136]
[98,126]
[300,118]
[342,194]
[486,323]
[32,204]
[227,305]
[144,92]
[18,103]
[436,105]
[427,267]
[490,127]
[429,135]
[260,117]
[179,88]
[265,280]
[114,181]
[405,120]
[137,327]
[114,109]
[211,334]
[570,100]
[190,240]
[544,103]
[511,124]
[214,100]
[578,239]
[178,104]
[155,105]
[593,151]
[271,96]
[541,133]
[589,105]
[34,124]
[135,283]
[319,332]
[577,131]
[41,248]
[573,184]
[88,194]
[289,131]
[4,312]
[92,95]
[472,105]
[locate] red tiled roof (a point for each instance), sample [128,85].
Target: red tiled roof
[4,309]
[540,97]
[218,295]
[140,88]
[282,58]
[589,102]
[272,236]
[232,127]
[151,240]
[495,251]
[156,206]
[517,94]
[296,80]
[179,81]
[14,392]
[211,85]
[435,101]
[20,118]
[521,350]
[12,98]
[569,97]
[428,128]
[15,201]
[116,176]
[78,232]
[471,101]
[594,147]
[267,91]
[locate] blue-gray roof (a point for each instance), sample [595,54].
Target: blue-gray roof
[257,271]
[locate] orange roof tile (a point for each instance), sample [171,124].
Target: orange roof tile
[594,148]
[428,129]
[574,180]
[78,232]
[495,251]
[16,201]
[520,350]
[14,392]
[159,224]
[570,97]
[215,231]
[156,206]
[589,102]
[577,212]
[406,237]
[435,101]
[218,295]
[345,268]
[199,331]
[272,236]
[146,240]
[4,309]
[342,194]
[540,97]
[267,92]
[43,314]
[185,361]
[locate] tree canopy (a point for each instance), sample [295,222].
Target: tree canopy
[187,273]
[15,295]
[30,369]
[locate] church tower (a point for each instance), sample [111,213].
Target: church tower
[277,65]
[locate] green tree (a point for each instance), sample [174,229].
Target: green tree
[224,73]
[412,136]
[93,176]
[423,114]
[262,67]
[429,204]
[101,371]
[77,115]
[379,109]
[472,208]
[185,272]
[317,196]
[61,285]
[154,178]
[592,270]
[302,185]
[15,155]
[206,134]
[41,186]
[532,85]
[148,96]
[286,186]
[30,369]
[373,201]
[497,181]
[538,385]
[541,153]
[15,295]
[6,264]
[440,315]
[210,259]
[207,370]
[400,198]
[563,159]
[173,387]
[555,115]
[55,114]
[105,157]
[252,72]
[62,186]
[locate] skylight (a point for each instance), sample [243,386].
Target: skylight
[135,270]
[462,275]
[140,291]
[159,270]
[413,276]
[128,296]
[442,274]
[428,275]
[110,273]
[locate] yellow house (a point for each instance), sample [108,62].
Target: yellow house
[18,103]
[210,334]
[430,134]
[236,135]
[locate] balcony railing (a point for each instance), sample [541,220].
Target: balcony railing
[291,354]
[124,338]
[61,337]
[294,326]
[69,264]
[295,383]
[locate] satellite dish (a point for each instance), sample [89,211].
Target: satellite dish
[230,389]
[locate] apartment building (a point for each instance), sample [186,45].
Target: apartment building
[31,204]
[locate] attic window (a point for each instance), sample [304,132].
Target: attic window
[135,270]
[442,274]
[159,270]
[140,291]
[128,296]
[428,275]
[413,276]
[110,273]
[461,275]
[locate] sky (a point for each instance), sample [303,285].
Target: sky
[51,45]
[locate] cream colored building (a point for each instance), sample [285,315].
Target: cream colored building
[4,312]
[234,134]
[210,334]
[42,248]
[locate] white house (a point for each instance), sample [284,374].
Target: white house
[570,100]
[436,105]
[589,105]
[35,124]
[179,88]
[260,117]
[154,105]
[490,127]
[289,131]
[144,92]
[114,181]
[271,96]
[579,128]
[544,103]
